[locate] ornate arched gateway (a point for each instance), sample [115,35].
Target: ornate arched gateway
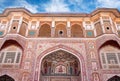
[59,64]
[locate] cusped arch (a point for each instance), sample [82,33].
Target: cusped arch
[45,30]
[77,31]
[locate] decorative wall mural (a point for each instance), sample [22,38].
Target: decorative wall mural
[60,69]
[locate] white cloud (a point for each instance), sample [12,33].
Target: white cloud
[81,5]
[56,6]
[24,3]
[108,3]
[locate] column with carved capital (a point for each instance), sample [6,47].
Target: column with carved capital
[68,29]
[53,29]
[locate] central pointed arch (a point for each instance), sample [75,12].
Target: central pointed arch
[60,47]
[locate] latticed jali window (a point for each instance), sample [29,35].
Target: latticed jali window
[10,55]
[110,57]
[110,60]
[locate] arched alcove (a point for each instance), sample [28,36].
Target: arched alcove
[11,53]
[23,28]
[9,43]
[60,30]
[110,54]
[6,78]
[38,74]
[60,64]
[114,78]
[45,31]
[76,31]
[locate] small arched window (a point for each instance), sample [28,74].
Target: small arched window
[110,55]
[10,53]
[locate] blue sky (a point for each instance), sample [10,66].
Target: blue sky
[65,6]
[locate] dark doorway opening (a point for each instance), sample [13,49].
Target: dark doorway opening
[114,78]
[6,78]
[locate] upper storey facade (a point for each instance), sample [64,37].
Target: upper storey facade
[73,25]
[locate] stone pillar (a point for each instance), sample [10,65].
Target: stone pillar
[68,29]
[10,23]
[37,25]
[53,29]
[102,24]
[95,33]
[111,22]
[20,23]
[29,26]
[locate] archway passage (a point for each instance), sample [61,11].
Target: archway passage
[6,78]
[60,64]
[114,78]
